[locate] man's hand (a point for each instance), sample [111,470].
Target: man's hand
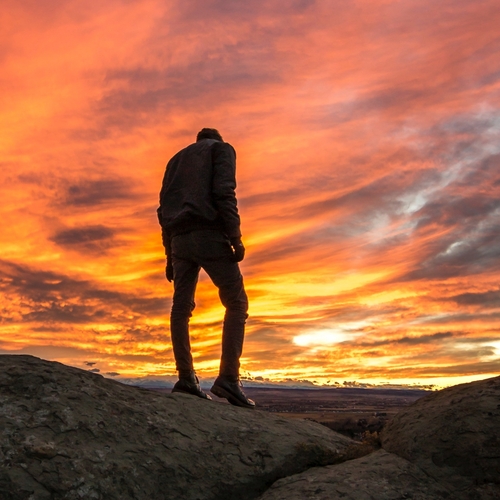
[169,271]
[238,249]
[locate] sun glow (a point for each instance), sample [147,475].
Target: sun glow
[321,338]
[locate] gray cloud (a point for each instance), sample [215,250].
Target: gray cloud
[487,299]
[86,238]
[386,100]
[51,298]
[220,11]
[64,313]
[420,340]
[457,369]
[85,193]
[457,210]
[143,94]
[459,255]
[486,317]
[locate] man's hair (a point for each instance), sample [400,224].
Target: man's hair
[208,133]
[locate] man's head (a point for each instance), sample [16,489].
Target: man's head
[208,133]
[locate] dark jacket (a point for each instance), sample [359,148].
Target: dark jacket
[198,191]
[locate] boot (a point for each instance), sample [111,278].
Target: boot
[189,384]
[230,388]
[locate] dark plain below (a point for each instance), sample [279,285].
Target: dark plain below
[353,412]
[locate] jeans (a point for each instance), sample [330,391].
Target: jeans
[211,251]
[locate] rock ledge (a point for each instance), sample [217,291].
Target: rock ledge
[71,434]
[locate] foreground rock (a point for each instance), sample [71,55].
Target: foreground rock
[70,434]
[454,436]
[444,446]
[379,476]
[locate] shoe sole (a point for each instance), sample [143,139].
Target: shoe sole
[206,396]
[222,393]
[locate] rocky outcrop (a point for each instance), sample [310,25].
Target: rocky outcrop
[454,436]
[444,446]
[70,434]
[380,476]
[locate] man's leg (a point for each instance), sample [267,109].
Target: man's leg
[226,276]
[185,281]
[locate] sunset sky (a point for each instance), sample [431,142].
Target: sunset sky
[368,165]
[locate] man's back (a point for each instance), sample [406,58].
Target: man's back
[198,189]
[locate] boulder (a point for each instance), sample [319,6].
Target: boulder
[445,445]
[71,434]
[454,436]
[379,476]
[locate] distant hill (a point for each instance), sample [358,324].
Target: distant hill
[168,381]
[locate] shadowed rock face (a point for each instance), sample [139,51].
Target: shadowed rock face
[444,446]
[380,475]
[70,434]
[453,435]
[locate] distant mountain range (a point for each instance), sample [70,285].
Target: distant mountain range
[168,381]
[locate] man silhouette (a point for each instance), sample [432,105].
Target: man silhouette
[200,225]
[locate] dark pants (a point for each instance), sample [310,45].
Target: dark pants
[210,250]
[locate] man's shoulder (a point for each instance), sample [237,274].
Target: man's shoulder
[188,150]
[212,144]
[204,146]
[223,147]
[198,146]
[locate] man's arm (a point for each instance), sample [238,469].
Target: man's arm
[223,187]
[165,237]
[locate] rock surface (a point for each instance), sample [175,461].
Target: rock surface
[70,434]
[378,476]
[453,435]
[445,445]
